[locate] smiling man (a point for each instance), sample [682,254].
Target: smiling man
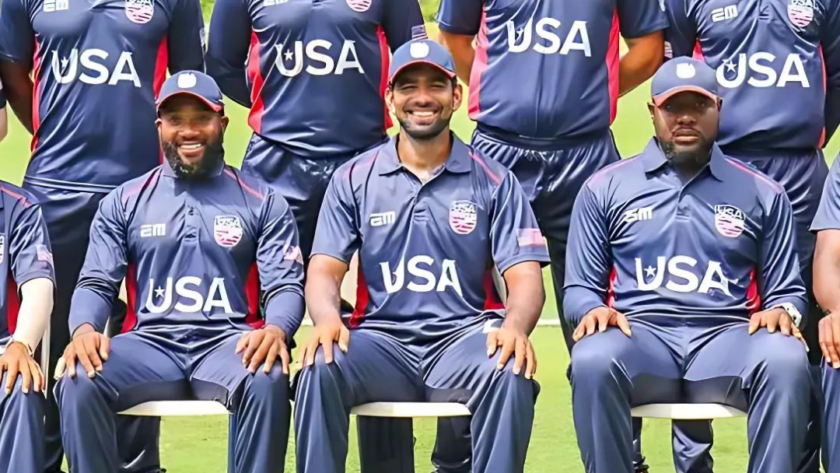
[683,283]
[430,218]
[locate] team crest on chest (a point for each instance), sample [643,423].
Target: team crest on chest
[2,247]
[359,6]
[140,11]
[462,217]
[729,220]
[801,12]
[227,230]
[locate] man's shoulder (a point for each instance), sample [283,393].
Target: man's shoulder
[130,190]
[619,172]
[744,173]
[13,194]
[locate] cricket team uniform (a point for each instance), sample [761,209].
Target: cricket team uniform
[688,262]
[313,74]
[200,258]
[97,67]
[424,309]
[25,254]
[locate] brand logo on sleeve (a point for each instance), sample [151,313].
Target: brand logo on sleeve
[152,230]
[729,220]
[227,230]
[56,5]
[463,217]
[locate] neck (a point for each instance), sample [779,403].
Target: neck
[422,157]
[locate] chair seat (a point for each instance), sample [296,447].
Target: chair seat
[177,408]
[686,411]
[411,409]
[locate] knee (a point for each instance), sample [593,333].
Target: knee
[321,373]
[75,390]
[785,362]
[592,362]
[17,397]
[273,385]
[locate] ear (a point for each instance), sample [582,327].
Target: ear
[457,96]
[389,99]
[651,110]
[225,120]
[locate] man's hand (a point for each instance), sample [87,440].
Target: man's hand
[513,342]
[773,319]
[263,346]
[325,335]
[16,360]
[830,339]
[89,347]
[599,319]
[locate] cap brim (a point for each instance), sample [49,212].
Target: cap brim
[405,66]
[660,99]
[213,106]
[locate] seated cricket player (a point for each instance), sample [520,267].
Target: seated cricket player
[430,219]
[684,286]
[27,280]
[196,242]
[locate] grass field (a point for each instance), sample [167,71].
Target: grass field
[199,445]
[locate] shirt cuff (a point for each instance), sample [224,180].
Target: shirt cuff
[88,307]
[285,309]
[577,302]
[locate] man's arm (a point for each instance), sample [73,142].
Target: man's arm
[830,43]
[460,21]
[526,296]
[4,124]
[403,22]
[227,50]
[17,42]
[640,62]
[19,91]
[779,276]
[827,271]
[323,289]
[186,37]
[34,313]
[681,34]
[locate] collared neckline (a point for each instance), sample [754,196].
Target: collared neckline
[653,159]
[215,172]
[458,161]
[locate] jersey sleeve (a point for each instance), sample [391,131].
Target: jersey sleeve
[514,234]
[637,18]
[17,39]
[588,260]
[30,253]
[185,39]
[280,266]
[780,281]
[830,42]
[227,49]
[105,266]
[403,22]
[681,34]
[828,212]
[460,16]
[337,231]
[2,97]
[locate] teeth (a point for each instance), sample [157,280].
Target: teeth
[191,146]
[424,114]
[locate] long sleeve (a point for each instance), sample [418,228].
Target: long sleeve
[830,42]
[185,40]
[780,280]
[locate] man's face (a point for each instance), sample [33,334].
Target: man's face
[423,98]
[686,125]
[192,135]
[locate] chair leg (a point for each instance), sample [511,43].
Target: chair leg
[231,443]
[386,445]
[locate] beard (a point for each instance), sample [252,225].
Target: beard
[694,156]
[214,153]
[427,132]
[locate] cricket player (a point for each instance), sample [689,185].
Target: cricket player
[430,218]
[83,78]
[197,242]
[769,53]
[329,59]
[684,284]
[545,77]
[26,299]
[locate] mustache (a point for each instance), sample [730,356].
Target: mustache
[214,153]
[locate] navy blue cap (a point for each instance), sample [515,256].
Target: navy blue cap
[421,51]
[195,83]
[683,74]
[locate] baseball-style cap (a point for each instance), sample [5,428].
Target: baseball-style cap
[195,83]
[421,51]
[683,74]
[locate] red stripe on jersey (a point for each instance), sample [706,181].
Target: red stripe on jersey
[244,186]
[252,293]
[36,95]
[12,302]
[492,301]
[611,289]
[362,300]
[131,294]
[160,66]
[773,184]
[821,143]
[478,69]
[493,177]
[612,65]
[753,298]
[385,56]
[698,52]
[17,196]
[256,79]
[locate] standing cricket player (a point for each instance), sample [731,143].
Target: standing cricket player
[96,68]
[679,259]
[545,77]
[777,63]
[430,219]
[26,299]
[196,242]
[313,75]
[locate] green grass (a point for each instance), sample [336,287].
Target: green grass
[198,445]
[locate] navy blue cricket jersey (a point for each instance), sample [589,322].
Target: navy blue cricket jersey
[828,213]
[25,252]
[313,72]
[711,251]
[98,66]
[564,53]
[192,253]
[426,251]
[777,63]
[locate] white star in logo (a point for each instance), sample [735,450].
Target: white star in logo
[159,292]
[64,62]
[650,272]
[290,55]
[730,66]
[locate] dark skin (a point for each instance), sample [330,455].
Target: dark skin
[423,98]
[190,127]
[686,127]
[826,277]
[19,90]
[17,361]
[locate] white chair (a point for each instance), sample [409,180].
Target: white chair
[686,411]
